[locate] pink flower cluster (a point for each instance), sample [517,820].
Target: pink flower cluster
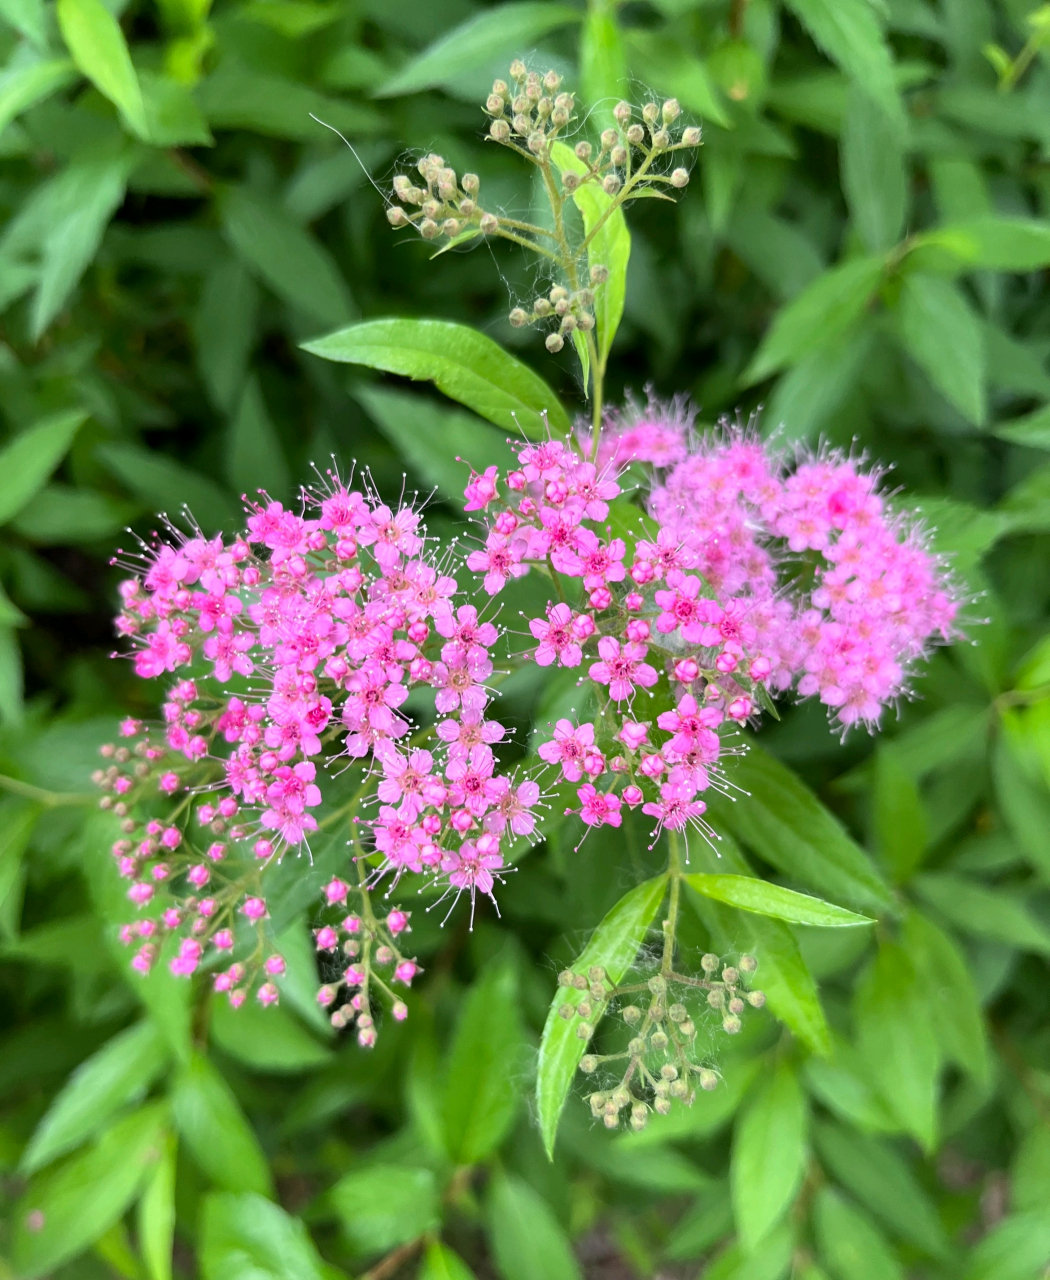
[752,577]
[324,621]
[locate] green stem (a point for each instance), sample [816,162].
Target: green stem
[49,799]
[674,871]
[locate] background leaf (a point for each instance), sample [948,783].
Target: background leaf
[527,1239]
[769,1151]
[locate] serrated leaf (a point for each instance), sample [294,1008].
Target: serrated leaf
[504,29]
[822,313]
[848,32]
[94,38]
[28,460]
[528,1242]
[613,946]
[481,1089]
[246,1237]
[941,332]
[748,893]
[88,1194]
[785,823]
[120,1072]
[769,1155]
[464,364]
[285,256]
[216,1131]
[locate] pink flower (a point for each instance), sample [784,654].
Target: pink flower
[557,639]
[621,668]
[676,807]
[500,560]
[513,806]
[481,490]
[598,808]
[568,747]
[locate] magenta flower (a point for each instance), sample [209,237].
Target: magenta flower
[557,640]
[621,668]
[598,808]
[569,748]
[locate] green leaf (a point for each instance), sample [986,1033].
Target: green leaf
[87,1195]
[285,256]
[848,32]
[897,1041]
[790,990]
[59,515]
[987,913]
[808,395]
[119,1073]
[873,176]
[1024,803]
[464,364]
[849,1243]
[964,532]
[900,823]
[173,119]
[821,313]
[245,1237]
[614,946]
[603,61]
[266,1039]
[992,242]
[940,331]
[610,248]
[781,255]
[442,1263]
[528,1242]
[841,1086]
[954,1005]
[382,1206]
[662,63]
[94,190]
[94,38]
[748,893]
[25,86]
[28,461]
[1015,1249]
[439,444]
[255,458]
[27,16]
[770,1261]
[785,823]
[224,329]
[710,1220]
[769,1155]
[505,29]
[156,1216]
[166,485]
[883,1182]
[215,1130]
[1030,1175]
[481,1090]
[1014,366]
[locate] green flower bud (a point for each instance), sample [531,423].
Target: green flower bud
[658,1040]
[583,150]
[599,275]
[467,208]
[662,1089]
[537,140]
[543,308]
[567,1011]
[551,81]
[677,1013]
[579,981]
[518,70]
[650,113]
[679,1089]
[611,1120]
[631,1014]
[584,1031]
[565,978]
[609,139]
[620,1097]
[662,1106]
[636,135]
[669,1071]
[622,112]
[499,130]
[559,117]
[657,984]
[570,182]
[670,110]
[597,1103]
[619,158]
[428,229]
[494,104]
[736,1005]
[522,124]
[688,1028]
[521,106]
[731,1024]
[584,1008]
[471,183]
[451,227]
[730,976]
[396,216]
[715,999]
[500,87]
[639,1117]
[636,1047]
[489,223]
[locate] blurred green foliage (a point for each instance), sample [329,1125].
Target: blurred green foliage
[864,249]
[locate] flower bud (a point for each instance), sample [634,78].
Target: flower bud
[570,182]
[579,981]
[542,307]
[499,130]
[586,321]
[611,1120]
[599,273]
[489,224]
[584,1031]
[669,1071]
[716,998]
[677,1013]
[731,1024]
[611,184]
[494,104]
[518,317]
[657,984]
[692,137]
[631,1015]
[687,1028]
[396,216]
[622,112]
[636,135]
[559,117]
[639,1117]
[756,999]
[565,978]
[730,976]
[584,1009]
[609,139]
[533,87]
[618,157]
[661,139]
[709,962]
[708,1079]
[521,105]
[588,1064]
[671,110]
[554,343]
[537,141]
[747,964]
[736,1005]
[636,1046]
[451,227]
[544,107]
[583,150]
[662,1089]
[517,70]
[522,124]
[662,1106]
[567,325]
[552,81]
[658,1040]
[500,87]
[567,1011]
[650,113]
[428,229]
[680,178]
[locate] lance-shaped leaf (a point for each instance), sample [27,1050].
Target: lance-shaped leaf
[99,49]
[464,364]
[30,84]
[769,1154]
[614,945]
[765,899]
[28,461]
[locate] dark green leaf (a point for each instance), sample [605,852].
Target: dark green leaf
[507,30]
[664,65]
[783,822]
[285,256]
[840,1085]
[481,1089]
[996,243]
[60,514]
[30,84]
[528,1242]
[94,38]
[710,1219]
[780,254]
[614,946]
[821,313]
[215,1129]
[88,1194]
[440,445]
[603,61]
[245,1237]
[225,330]
[943,335]
[381,1206]
[236,96]
[173,119]
[117,1074]
[988,913]
[255,458]
[1030,1176]
[166,485]
[765,899]
[465,365]
[769,1155]
[1024,803]
[442,1263]
[896,1038]
[873,174]
[790,990]
[848,32]
[883,1182]
[266,1039]
[28,461]
[900,823]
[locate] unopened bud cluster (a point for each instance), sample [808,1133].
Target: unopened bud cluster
[445,205]
[660,1056]
[572,310]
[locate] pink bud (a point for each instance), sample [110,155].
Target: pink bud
[237,998]
[583,626]
[638,630]
[366,1037]
[506,523]
[223,940]
[263,849]
[127,934]
[461,821]
[600,598]
[275,965]
[129,728]
[633,795]
[642,572]
[335,891]
[632,734]
[325,996]
[354,975]
[216,851]
[207,907]
[686,670]
[140,893]
[406,971]
[228,806]
[418,632]
[127,867]
[161,871]
[651,766]
[171,838]
[618,764]
[516,480]
[397,922]
[171,918]
[739,709]
[254,908]
[760,668]
[198,875]
[168,782]
[726,663]
[327,939]
[267,994]
[399,1010]
[633,601]
[352,924]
